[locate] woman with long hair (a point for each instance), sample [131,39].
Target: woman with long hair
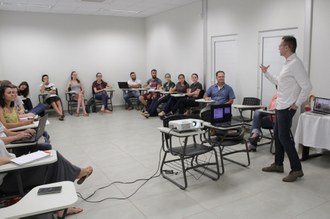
[75,87]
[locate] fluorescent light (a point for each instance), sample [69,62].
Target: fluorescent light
[124,11]
[26,5]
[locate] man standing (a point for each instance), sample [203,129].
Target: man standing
[293,89]
[152,83]
[132,83]
[220,92]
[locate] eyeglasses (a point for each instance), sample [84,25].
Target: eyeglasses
[181,78]
[99,76]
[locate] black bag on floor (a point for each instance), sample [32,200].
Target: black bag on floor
[90,104]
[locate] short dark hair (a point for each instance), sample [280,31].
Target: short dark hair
[216,74]
[132,73]
[42,77]
[98,74]
[154,70]
[2,94]
[291,42]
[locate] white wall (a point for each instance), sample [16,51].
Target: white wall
[320,52]
[32,44]
[175,42]
[246,19]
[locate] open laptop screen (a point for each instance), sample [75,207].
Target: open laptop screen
[321,105]
[220,113]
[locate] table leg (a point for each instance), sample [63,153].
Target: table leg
[305,153]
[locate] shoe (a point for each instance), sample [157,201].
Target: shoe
[252,148]
[70,211]
[273,168]
[82,179]
[129,108]
[61,118]
[86,114]
[145,114]
[77,114]
[161,114]
[293,176]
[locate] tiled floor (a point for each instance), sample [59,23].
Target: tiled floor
[124,146]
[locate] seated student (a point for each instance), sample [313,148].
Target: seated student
[8,114]
[52,98]
[260,117]
[61,170]
[167,87]
[23,92]
[152,83]
[220,92]
[77,92]
[193,93]
[181,88]
[99,89]
[132,83]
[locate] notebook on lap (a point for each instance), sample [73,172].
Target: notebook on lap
[28,158]
[321,106]
[40,130]
[221,116]
[123,85]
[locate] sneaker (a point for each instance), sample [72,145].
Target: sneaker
[252,148]
[293,176]
[273,168]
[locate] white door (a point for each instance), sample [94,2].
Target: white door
[269,55]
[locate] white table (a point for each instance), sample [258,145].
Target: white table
[270,112]
[34,204]
[242,108]
[13,167]
[312,131]
[178,95]
[202,100]
[34,125]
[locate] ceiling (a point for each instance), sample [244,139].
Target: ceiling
[127,8]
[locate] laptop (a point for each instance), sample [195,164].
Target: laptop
[123,85]
[221,116]
[321,106]
[40,130]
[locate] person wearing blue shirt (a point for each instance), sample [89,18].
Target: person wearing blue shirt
[221,92]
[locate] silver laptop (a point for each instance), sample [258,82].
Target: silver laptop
[40,130]
[321,106]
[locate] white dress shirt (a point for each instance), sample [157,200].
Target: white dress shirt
[293,84]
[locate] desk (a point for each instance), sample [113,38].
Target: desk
[13,167]
[185,156]
[34,125]
[178,95]
[312,131]
[33,204]
[242,108]
[270,112]
[202,100]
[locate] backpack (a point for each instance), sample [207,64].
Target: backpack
[90,104]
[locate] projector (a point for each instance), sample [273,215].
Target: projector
[185,124]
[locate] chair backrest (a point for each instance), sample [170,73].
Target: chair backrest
[251,101]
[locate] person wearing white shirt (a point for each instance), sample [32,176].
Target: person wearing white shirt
[132,83]
[293,89]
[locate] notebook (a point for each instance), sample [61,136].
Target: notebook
[28,158]
[221,116]
[123,85]
[39,132]
[321,106]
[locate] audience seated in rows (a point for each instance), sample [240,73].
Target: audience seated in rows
[153,83]
[167,87]
[61,170]
[181,88]
[52,97]
[100,91]
[132,83]
[75,87]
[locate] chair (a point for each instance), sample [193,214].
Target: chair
[42,99]
[225,140]
[268,124]
[71,102]
[197,109]
[185,157]
[97,102]
[249,101]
